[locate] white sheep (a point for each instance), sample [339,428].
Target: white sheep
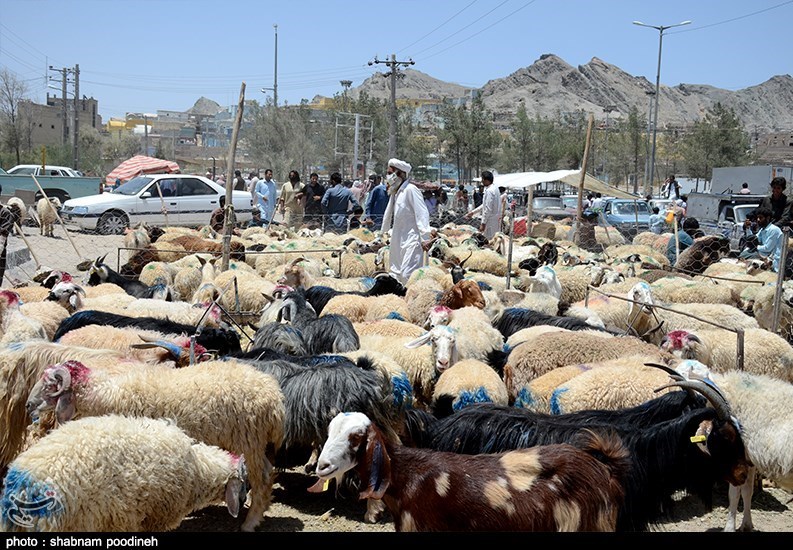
[15,325]
[46,210]
[198,397]
[418,362]
[119,474]
[467,382]
[764,407]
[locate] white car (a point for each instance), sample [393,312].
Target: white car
[188,200]
[35,170]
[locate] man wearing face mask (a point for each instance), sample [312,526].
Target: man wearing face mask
[407,217]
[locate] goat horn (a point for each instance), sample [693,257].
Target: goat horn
[298,260]
[468,258]
[668,370]
[711,394]
[64,377]
[268,297]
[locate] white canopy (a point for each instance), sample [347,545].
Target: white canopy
[521,180]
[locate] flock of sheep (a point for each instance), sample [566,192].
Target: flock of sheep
[579,396]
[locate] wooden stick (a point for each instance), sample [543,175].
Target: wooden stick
[228,222]
[24,239]
[580,205]
[162,203]
[68,236]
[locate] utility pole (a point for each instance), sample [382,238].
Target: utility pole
[607,109]
[76,117]
[64,126]
[146,134]
[394,65]
[647,176]
[275,75]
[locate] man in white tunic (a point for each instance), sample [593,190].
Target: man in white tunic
[491,207]
[407,217]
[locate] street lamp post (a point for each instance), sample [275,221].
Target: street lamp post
[660,28]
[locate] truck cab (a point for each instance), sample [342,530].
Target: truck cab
[724,215]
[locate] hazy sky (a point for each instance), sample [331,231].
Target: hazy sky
[144,55]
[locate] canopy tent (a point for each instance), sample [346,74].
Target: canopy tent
[521,180]
[138,165]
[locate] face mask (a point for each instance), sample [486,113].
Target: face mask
[392,179]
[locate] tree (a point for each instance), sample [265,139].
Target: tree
[716,140]
[522,137]
[12,92]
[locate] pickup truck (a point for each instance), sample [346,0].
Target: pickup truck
[719,214]
[55,186]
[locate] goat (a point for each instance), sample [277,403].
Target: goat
[100,273]
[464,293]
[658,434]
[456,267]
[550,488]
[327,334]
[513,319]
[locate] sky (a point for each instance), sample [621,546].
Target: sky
[145,55]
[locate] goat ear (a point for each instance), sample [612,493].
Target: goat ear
[379,467]
[420,341]
[65,407]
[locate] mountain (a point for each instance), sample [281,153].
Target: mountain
[551,85]
[204,106]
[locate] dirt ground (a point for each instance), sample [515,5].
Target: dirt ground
[296,510]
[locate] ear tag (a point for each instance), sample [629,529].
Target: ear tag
[698,439]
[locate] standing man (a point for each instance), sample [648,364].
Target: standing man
[291,200]
[376,204]
[491,207]
[336,202]
[239,182]
[9,215]
[478,196]
[407,217]
[778,203]
[253,179]
[265,193]
[314,193]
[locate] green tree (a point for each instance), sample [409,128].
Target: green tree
[716,140]
[521,142]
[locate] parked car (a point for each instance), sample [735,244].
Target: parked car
[36,170]
[552,207]
[189,201]
[629,217]
[730,224]
[662,204]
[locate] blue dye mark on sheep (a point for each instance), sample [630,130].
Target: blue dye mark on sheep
[555,405]
[467,398]
[484,286]
[525,399]
[25,500]
[395,315]
[367,282]
[16,346]
[506,348]
[403,391]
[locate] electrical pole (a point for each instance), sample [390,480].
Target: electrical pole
[64,127]
[394,65]
[607,109]
[146,134]
[275,76]
[76,116]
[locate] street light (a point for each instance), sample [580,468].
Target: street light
[660,29]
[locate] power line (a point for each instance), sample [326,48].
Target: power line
[733,19]
[438,27]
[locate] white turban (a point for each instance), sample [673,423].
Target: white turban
[400,165]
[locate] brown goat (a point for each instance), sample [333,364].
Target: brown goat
[462,294]
[197,244]
[557,487]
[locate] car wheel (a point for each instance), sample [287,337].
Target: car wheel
[112,223]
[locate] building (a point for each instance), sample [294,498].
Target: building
[52,124]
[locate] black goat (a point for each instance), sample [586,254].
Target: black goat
[456,268]
[221,340]
[319,296]
[547,255]
[283,338]
[270,354]
[100,273]
[663,436]
[327,334]
[514,319]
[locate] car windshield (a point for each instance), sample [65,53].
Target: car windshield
[741,212]
[547,202]
[629,208]
[570,202]
[133,186]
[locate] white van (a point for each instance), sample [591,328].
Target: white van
[35,170]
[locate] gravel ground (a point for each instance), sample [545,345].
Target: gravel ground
[296,510]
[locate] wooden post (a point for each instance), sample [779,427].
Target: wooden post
[63,225]
[529,211]
[228,225]
[162,203]
[580,205]
[511,239]
[24,239]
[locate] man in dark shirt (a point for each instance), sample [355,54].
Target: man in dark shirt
[9,216]
[478,195]
[778,203]
[376,204]
[314,193]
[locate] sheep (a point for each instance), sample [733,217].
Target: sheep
[118,474]
[47,208]
[99,272]
[180,312]
[546,352]
[681,290]
[48,313]
[329,333]
[388,327]
[657,434]
[366,308]
[536,395]
[418,363]
[441,276]
[17,204]
[467,381]
[318,295]
[545,280]
[762,405]
[28,294]
[15,325]
[549,488]
[196,397]
[421,297]
[220,340]
[703,252]
[764,352]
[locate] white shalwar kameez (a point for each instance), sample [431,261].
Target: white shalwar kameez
[491,211]
[410,226]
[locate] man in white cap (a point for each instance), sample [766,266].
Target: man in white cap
[407,217]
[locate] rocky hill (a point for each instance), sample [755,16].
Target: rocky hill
[551,85]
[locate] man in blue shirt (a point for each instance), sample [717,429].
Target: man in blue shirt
[769,238]
[657,221]
[376,204]
[265,193]
[335,202]
[685,238]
